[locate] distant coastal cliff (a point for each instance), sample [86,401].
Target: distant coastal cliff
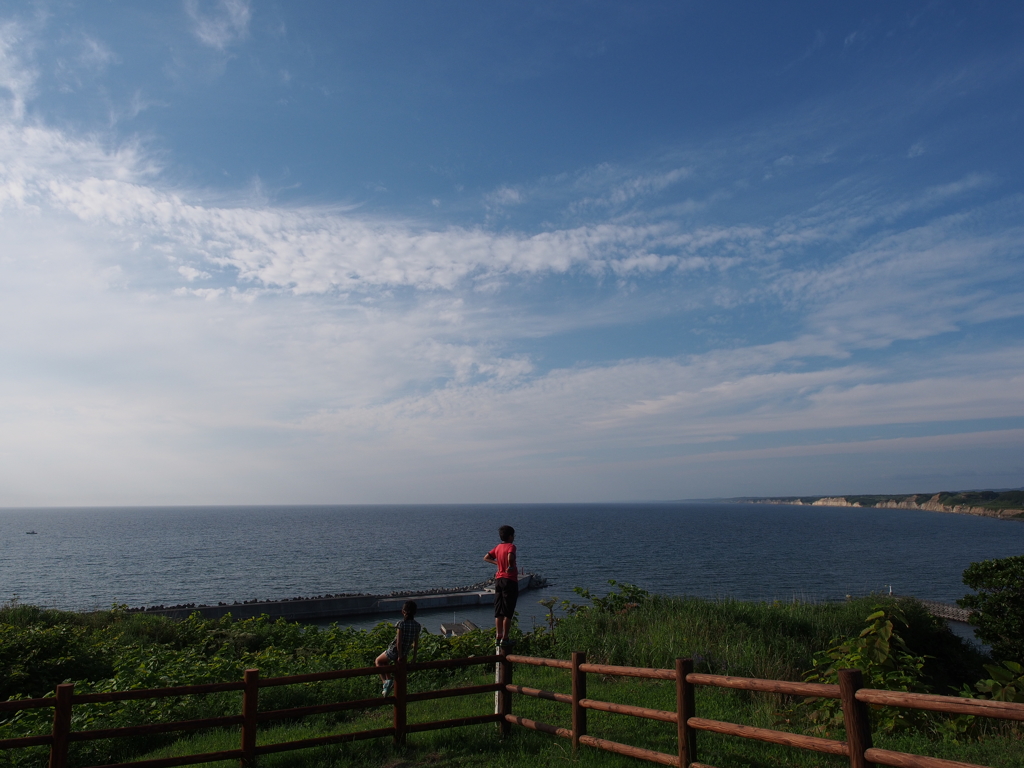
[1006,505]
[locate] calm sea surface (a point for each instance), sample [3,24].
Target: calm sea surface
[94,557]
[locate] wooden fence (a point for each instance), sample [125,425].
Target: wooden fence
[61,736]
[854,698]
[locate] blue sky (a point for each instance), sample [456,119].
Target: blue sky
[268,252]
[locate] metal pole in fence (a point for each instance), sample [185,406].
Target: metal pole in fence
[401,680]
[250,705]
[579,692]
[685,709]
[855,717]
[61,726]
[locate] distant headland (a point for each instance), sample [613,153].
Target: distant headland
[1006,505]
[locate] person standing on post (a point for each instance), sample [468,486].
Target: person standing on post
[506,583]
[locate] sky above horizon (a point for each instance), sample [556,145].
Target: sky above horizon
[268,252]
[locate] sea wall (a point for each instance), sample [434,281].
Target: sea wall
[340,606]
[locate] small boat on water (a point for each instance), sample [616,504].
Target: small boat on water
[30,533]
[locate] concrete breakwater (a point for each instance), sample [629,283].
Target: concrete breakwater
[946,611]
[328,607]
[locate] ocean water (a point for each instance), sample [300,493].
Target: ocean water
[90,558]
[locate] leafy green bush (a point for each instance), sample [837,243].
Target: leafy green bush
[887,663]
[1006,683]
[998,605]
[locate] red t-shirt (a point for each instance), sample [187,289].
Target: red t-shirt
[501,553]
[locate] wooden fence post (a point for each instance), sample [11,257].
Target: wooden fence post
[685,709]
[400,677]
[579,692]
[61,726]
[855,717]
[503,698]
[250,706]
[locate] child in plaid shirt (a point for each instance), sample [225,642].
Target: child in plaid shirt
[409,630]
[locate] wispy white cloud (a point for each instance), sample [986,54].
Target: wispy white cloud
[191,273]
[315,250]
[504,196]
[16,77]
[617,187]
[223,24]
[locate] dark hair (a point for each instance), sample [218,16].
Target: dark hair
[506,532]
[409,608]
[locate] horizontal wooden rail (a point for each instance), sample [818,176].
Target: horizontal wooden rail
[445,693]
[813,743]
[903,760]
[322,741]
[320,677]
[155,693]
[820,690]
[17,704]
[1006,710]
[469,661]
[537,693]
[533,725]
[457,722]
[27,741]
[170,762]
[154,728]
[629,709]
[646,672]
[539,661]
[624,749]
[322,709]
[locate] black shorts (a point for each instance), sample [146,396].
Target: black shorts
[506,593]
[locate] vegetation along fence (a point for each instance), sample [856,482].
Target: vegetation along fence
[854,698]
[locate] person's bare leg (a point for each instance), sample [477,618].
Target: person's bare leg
[498,636]
[383,661]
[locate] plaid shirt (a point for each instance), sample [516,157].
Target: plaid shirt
[410,629]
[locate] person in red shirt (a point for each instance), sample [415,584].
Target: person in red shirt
[506,583]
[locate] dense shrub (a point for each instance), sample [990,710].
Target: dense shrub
[998,605]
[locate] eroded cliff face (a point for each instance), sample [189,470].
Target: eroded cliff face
[931,505]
